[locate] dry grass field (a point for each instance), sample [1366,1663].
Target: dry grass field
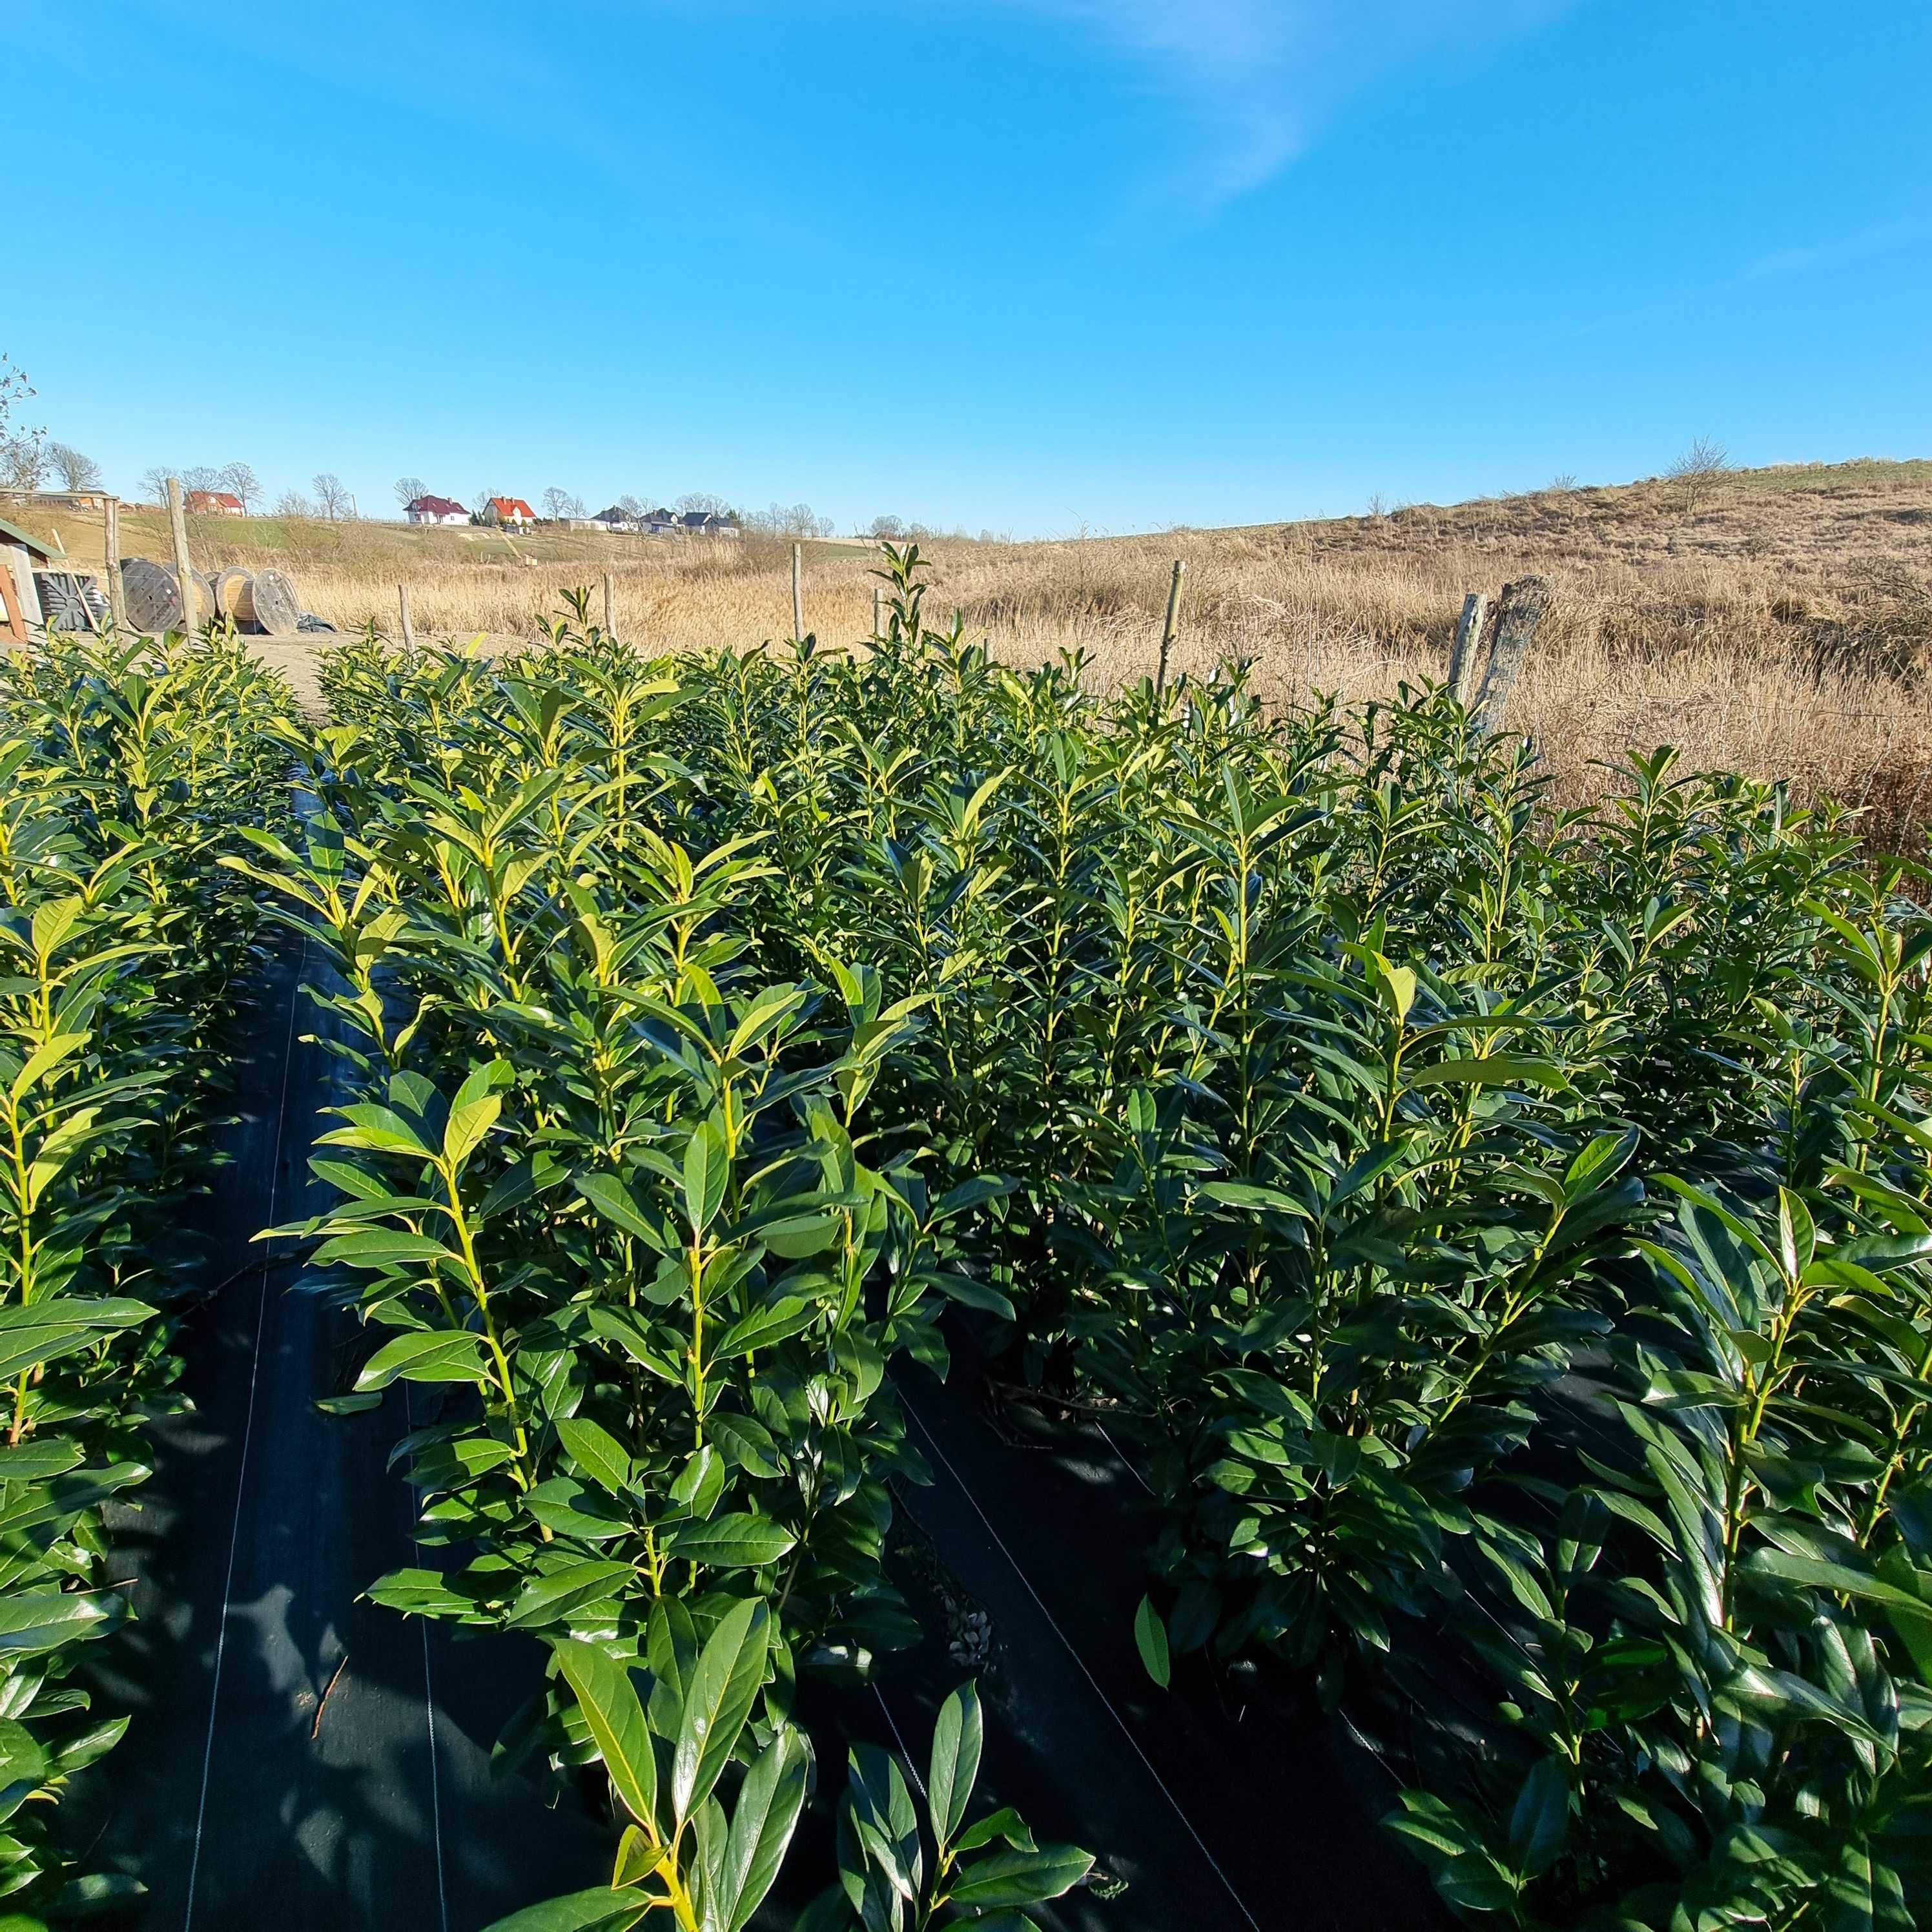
[1779,624]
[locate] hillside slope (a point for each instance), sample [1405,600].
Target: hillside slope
[1778,622]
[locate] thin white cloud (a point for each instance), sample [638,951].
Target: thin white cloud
[1785,262]
[1256,80]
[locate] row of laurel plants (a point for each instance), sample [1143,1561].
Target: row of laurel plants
[128,772]
[616,1202]
[1500,1236]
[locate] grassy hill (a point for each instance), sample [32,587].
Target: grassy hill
[1777,621]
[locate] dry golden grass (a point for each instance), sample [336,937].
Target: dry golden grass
[1780,627]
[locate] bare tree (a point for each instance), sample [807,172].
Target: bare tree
[702,502]
[293,503]
[241,483]
[635,508]
[15,389]
[202,476]
[886,528]
[154,483]
[332,497]
[408,489]
[556,503]
[1699,471]
[23,462]
[76,471]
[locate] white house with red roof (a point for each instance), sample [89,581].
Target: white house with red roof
[214,503]
[511,511]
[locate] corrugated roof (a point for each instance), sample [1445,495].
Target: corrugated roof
[13,533]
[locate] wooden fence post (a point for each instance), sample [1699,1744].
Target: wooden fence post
[798,593]
[110,544]
[878,610]
[1468,646]
[1171,629]
[184,573]
[610,604]
[1519,614]
[403,609]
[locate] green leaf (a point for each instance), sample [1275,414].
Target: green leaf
[737,1541]
[618,1206]
[609,1702]
[1150,1634]
[472,1113]
[349,1405]
[383,1248]
[731,1668]
[1020,1878]
[707,1167]
[44,1331]
[550,1598]
[763,1821]
[1541,1822]
[764,1327]
[958,1738]
[33,1621]
[602,1909]
[1495,1069]
[425,1355]
[746,1444]
[598,1453]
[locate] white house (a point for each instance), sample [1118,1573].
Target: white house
[436,510]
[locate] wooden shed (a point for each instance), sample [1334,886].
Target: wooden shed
[19,599]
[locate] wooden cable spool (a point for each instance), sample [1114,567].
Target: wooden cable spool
[268,604]
[154,597]
[231,588]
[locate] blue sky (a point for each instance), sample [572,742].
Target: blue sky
[1031,266]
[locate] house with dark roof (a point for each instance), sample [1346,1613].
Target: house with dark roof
[512,511]
[662,523]
[617,517]
[436,510]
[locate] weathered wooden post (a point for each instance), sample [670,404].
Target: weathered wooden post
[403,611]
[1521,611]
[110,544]
[184,574]
[1171,629]
[878,610]
[1463,653]
[797,592]
[610,604]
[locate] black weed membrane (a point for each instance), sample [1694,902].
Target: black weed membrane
[295,1755]
[866,1291]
